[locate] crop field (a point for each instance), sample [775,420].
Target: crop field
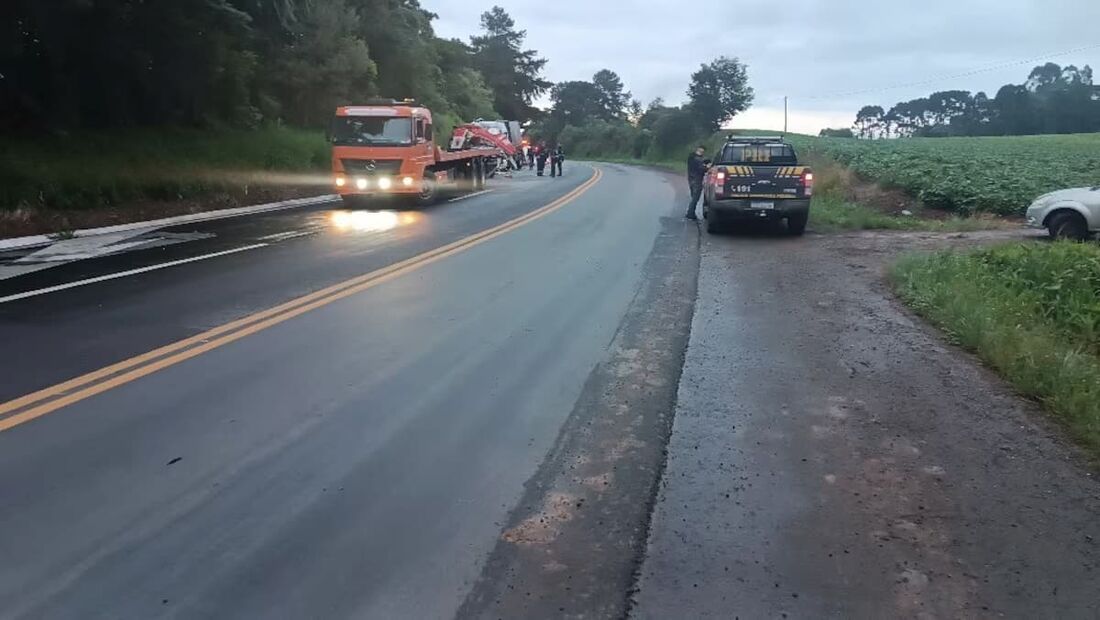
[967,175]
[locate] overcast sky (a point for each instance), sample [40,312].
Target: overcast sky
[815,51]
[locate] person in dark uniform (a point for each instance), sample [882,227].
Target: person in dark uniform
[557,156]
[540,158]
[697,169]
[531,157]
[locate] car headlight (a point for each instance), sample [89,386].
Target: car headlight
[341,181]
[384,183]
[361,183]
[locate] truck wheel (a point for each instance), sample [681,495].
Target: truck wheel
[1068,225]
[796,224]
[429,191]
[712,222]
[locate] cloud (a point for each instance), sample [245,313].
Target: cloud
[808,122]
[812,50]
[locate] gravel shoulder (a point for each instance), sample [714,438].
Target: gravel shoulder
[831,456]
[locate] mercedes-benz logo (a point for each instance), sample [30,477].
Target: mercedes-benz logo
[370,165]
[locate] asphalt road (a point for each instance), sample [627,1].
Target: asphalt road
[356,457]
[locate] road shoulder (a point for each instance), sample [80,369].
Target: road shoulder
[831,457]
[571,546]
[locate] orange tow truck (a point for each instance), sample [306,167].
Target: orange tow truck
[386,147]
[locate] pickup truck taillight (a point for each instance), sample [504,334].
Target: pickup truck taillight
[719,180]
[808,183]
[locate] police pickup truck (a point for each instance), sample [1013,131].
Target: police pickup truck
[757,178]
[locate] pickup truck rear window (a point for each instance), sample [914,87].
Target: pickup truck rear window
[778,154]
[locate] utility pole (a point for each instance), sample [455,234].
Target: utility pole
[784,115]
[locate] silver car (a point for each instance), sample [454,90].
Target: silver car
[1068,213]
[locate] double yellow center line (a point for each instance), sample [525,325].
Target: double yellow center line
[37,404]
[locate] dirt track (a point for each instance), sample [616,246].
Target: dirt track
[831,456]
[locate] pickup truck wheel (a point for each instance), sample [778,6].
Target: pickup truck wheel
[712,222]
[796,224]
[428,191]
[1068,225]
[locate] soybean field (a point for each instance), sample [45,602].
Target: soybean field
[968,175]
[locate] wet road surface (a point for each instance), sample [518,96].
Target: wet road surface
[437,413]
[356,460]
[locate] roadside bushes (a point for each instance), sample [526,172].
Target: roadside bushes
[1032,311]
[599,139]
[95,169]
[670,138]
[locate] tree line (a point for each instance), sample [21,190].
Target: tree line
[1053,100]
[599,117]
[77,64]
[71,64]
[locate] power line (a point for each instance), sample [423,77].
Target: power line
[930,81]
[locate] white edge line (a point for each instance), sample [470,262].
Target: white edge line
[484,191]
[284,236]
[123,274]
[21,243]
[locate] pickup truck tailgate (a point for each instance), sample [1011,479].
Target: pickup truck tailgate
[756,181]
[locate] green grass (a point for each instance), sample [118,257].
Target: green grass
[831,211]
[969,175]
[90,170]
[1031,311]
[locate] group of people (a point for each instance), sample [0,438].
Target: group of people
[539,155]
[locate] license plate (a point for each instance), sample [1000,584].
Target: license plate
[763,204]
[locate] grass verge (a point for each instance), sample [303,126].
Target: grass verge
[1031,311]
[92,170]
[832,213]
[836,205]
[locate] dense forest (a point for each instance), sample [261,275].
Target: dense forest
[105,64]
[69,64]
[1053,100]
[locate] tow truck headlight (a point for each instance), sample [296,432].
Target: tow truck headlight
[407,181]
[361,183]
[384,183]
[341,181]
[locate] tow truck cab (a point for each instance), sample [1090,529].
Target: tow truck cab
[387,147]
[757,178]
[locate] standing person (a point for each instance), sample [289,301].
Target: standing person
[531,157]
[540,157]
[697,169]
[556,159]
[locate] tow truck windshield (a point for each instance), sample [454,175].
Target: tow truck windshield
[373,130]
